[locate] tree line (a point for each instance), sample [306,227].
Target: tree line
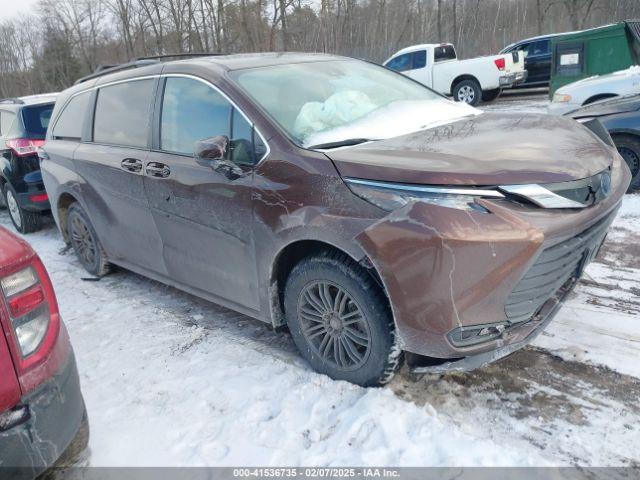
[65,39]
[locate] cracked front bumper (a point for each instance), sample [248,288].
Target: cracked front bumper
[445,269]
[55,413]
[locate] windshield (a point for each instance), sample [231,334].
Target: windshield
[323,102]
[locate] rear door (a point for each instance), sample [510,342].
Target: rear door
[110,167]
[205,219]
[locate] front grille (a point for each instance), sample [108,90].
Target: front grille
[554,267]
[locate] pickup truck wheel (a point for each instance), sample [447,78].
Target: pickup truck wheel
[491,95]
[467,91]
[629,148]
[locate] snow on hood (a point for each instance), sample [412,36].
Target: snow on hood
[351,114]
[620,75]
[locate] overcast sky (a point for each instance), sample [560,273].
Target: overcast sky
[9,8]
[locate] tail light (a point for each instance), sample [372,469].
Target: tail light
[39,197]
[24,146]
[500,63]
[35,323]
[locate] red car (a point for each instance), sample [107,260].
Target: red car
[42,413]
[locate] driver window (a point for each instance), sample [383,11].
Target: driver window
[191,111]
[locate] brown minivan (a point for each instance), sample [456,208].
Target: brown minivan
[367,213]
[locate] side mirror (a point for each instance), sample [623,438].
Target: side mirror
[212,152]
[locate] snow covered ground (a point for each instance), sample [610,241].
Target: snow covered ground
[170,379]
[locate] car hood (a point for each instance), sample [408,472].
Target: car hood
[608,107]
[489,149]
[619,82]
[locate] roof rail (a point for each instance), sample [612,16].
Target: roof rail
[104,70]
[15,101]
[140,62]
[180,55]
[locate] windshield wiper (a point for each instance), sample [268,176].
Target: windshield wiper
[342,143]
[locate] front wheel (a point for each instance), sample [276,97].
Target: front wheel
[24,220]
[629,148]
[340,320]
[467,91]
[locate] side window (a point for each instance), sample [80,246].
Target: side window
[525,48]
[401,63]
[444,52]
[70,121]
[191,111]
[419,60]
[122,113]
[6,122]
[540,48]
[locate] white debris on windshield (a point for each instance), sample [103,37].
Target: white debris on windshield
[316,119]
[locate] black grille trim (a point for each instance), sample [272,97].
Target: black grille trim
[553,268]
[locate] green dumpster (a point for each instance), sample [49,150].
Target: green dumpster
[596,51]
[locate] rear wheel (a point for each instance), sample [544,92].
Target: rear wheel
[85,242]
[24,220]
[467,91]
[629,148]
[340,320]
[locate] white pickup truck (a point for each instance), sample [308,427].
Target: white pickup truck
[469,81]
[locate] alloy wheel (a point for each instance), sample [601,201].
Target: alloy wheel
[632,159]
[466,94]
[333,325]
[83,241]
[14,209]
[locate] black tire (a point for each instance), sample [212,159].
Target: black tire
[85,242]
[491,95]
[24,220]
[347,355]
[467,91]
[629,148]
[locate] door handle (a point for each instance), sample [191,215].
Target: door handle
[132,165]
[160,170]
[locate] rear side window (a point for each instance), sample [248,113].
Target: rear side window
[36,120]
[6,122]
[70,122]
[122,114]
[401,63]
[419,59]
[444,52]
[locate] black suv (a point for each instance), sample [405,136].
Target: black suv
[537,59]
[23,125]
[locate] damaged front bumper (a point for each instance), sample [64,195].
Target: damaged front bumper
[49,420]
[447,270]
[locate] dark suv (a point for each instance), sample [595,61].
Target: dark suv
[360,208]
[537,59]
[23,125]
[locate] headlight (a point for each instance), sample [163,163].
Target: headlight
[561,98]
[391,196]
